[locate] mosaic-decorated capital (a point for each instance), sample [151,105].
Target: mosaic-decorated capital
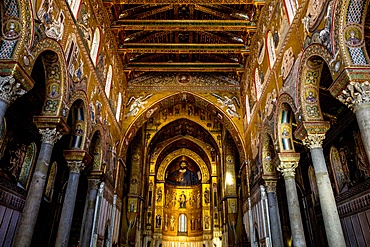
[288,164]
[10,90]
[50,136]
[356,94]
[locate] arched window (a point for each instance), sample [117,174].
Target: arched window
[108,82]
[247,108]
[71,54]
[271,49]
[75,6]
[95,46]
[291,8]
[257,84]
[119,104]
[183,223]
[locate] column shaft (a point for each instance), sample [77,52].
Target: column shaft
[276,233]
[333,228]
[27,222]
[363,121]
[3,108]
[89,217]
[67,210]
[294,212]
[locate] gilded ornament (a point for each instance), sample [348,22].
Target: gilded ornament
[314,140]
[288,168]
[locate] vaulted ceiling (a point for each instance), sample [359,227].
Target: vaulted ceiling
[183,35]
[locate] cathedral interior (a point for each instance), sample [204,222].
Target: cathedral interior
[178,123]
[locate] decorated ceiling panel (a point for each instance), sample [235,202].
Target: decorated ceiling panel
[184,37]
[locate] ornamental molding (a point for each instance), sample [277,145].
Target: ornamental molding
[355,95]
[75,166]
[9,89]
[50,136]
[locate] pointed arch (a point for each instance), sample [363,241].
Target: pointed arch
[202,103]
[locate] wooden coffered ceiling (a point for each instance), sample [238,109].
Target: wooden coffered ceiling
[184,35]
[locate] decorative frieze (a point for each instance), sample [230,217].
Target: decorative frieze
[356,205]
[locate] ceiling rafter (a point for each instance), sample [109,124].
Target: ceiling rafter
[183,48]
[185,25]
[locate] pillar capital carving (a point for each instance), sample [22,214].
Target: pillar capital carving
[314,140]
[270,186]
[10,90]
[93,183]
[75,166]
[355,95]
[288,164]
[50,136]
[312,133]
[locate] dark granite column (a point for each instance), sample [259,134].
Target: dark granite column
[90,209]
[76,160]
[276,232]
[49,136]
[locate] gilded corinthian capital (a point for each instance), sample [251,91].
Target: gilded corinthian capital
[355,95]
[314,140]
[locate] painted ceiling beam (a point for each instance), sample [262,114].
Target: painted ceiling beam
[184,48]
[184,1]
[185,25]
[184,67]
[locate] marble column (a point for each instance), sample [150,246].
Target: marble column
[276,232]
[90,209]
[357,98]
[94,231]
[288,164]
[66,216]
[333,228]
[251,227]
[27,222]
[114,209]
[265,216]
[9,92]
